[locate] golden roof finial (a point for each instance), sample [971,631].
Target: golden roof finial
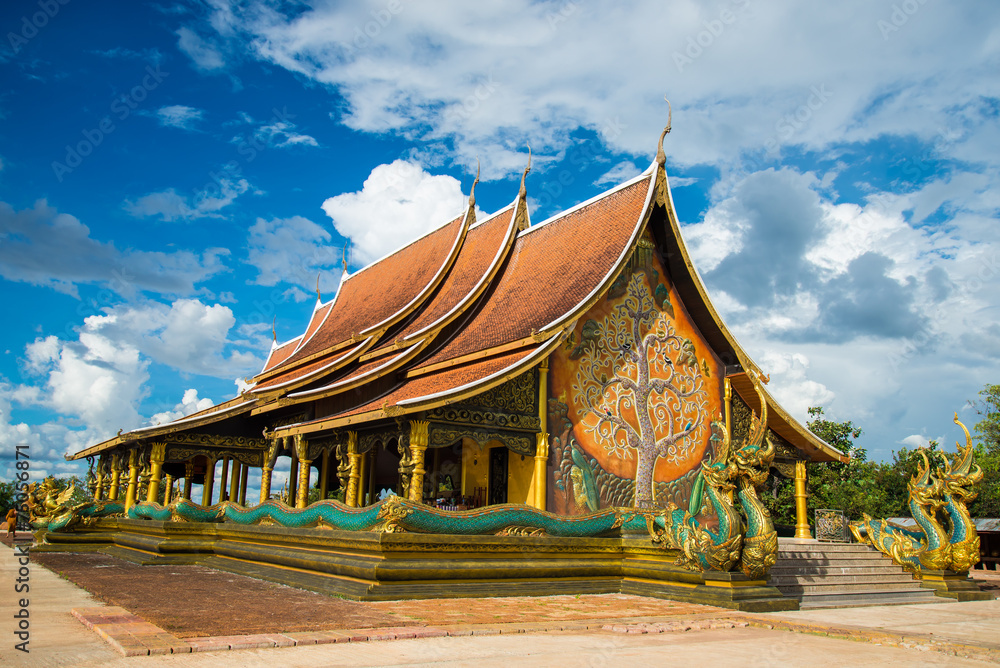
[319,297]
[343,260]
[661,157]
[522,193]
[274,331]
[472,193]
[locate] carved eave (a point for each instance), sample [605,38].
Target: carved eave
[238,406]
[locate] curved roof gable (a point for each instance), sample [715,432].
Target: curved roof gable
[554,268]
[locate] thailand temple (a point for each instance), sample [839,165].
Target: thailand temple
[536,374]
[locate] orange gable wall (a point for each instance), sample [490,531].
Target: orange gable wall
[603,470]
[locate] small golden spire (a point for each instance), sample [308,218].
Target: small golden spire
[319,297]
[472,193]
[343,260]
[661,157]
[274,331]
[522,193]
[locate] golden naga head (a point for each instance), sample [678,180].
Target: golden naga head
[961,473]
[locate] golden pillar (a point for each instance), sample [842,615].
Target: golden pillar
[265,472]
[223,479]
[293,472]
[244,475]
[542,440]
[418,446]
[188,475]
[99,490]
[301,454]
[133,478]
[156,455]
[234,483]
[351,498]
[206,494]
[168,489]
[541,464]
[729,407]
[116,476]
[801,513]
[324,472]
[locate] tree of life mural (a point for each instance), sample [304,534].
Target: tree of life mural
[642,387]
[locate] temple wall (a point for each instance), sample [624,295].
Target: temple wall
[520,487]
[634,371]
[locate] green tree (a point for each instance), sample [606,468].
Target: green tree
[988,428]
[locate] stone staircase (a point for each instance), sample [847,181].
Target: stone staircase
[842,575]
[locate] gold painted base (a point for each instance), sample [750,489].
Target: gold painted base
[376,567]
[950,584]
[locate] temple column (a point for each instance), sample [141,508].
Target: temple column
[206,495]
[168,489]
[542,440]
[324,471]
[133,478]
[265,473]
[418,446]
[541,464]
[99,489]
[188,475]
[234,482]
[351,497]
[801,512]
[156,455]
[223,479]
[302,488]
[293,472]
[244,474]
[116,476]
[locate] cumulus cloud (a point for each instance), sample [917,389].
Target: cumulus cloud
[620,173]
[179,116]
[42,246]
[398,203]
[295,251]
[434,73]
[169,205]
[189,404]
[187,335]
[203,54]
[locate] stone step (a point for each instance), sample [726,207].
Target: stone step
[813,545]
[826,579]
[836,573]
[819,556]
[837,588]
[852,601]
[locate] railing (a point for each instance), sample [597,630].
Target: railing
[831,526]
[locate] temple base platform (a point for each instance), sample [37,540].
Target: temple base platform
[368,566]
[950,584]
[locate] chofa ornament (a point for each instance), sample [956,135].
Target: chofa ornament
[946,537]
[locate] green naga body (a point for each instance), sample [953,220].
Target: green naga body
[937,500]
[752,545]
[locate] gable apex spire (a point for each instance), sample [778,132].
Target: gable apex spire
[661,157]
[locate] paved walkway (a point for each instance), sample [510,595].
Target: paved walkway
[898,635]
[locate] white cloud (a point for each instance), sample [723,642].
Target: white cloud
[41,246]
[189,404]
[620,173]
[179,116]
[170,206]
[282,134]
[204,55]
[435,73]
[187,335]
[294,251]
[398,203]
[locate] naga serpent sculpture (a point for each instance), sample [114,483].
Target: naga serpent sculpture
[753,545]
[937,500]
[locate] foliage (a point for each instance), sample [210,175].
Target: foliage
[988,428]
[7,496]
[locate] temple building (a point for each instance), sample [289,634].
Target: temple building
[572,365]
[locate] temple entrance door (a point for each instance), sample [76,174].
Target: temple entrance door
[498,476]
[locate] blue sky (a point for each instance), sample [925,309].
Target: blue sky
[174,176]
